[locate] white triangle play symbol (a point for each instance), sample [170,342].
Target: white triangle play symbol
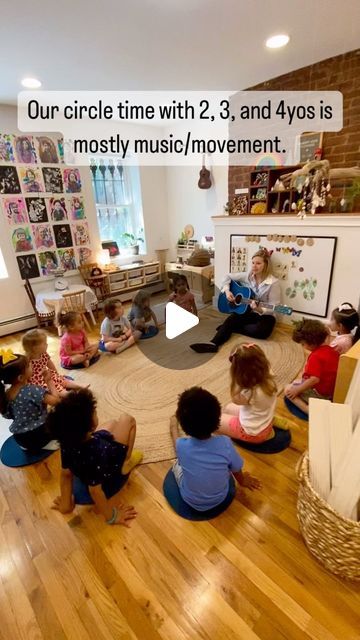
[178,320]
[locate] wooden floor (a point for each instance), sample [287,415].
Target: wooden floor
[246,574]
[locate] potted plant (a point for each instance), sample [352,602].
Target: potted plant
[353,194]
[132,243]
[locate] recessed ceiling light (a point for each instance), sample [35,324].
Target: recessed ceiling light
[31,83]
[275,42]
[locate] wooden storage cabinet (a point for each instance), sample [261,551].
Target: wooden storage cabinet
[261,190]
[130,277]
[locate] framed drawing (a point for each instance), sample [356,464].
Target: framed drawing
[309,145]
[303,265]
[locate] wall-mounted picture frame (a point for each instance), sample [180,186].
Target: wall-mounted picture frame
[310,143]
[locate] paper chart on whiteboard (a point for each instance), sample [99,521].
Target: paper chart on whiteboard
[303,264]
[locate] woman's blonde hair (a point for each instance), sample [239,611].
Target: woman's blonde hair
[32,338]
[265,256]
[250,368]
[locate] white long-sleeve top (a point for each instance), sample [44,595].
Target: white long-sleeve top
[267,291]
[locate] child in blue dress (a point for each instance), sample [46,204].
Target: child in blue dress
[101,457]
[26,404]
[205,461]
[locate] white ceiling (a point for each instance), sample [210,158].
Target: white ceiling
[166,44]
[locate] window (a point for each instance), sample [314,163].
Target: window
[3,270]
[117,195]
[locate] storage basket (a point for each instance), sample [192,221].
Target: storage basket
[331,538]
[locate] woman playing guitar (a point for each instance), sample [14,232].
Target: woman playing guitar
[257,321]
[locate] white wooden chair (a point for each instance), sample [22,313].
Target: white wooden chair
[76,302]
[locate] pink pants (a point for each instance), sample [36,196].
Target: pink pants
[238,431]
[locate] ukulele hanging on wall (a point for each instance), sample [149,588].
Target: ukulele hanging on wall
[204,178]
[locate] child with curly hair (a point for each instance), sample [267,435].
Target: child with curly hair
[319,375]
[101,457]
[206,461]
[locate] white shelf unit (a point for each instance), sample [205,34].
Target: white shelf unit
[131,277]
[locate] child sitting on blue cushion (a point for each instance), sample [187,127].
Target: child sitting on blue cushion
[116,332]
[205,461]
[141,315]
[26,404]
[319,375]
[101,457]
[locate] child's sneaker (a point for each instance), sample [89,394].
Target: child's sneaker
[135,459]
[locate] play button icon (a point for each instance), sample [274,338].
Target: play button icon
[178,320]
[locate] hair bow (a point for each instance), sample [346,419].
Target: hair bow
[247,345]
[7,355]
[345,306]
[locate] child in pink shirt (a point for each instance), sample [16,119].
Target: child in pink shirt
[75,349]
[182,295]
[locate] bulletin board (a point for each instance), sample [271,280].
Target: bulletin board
[43,206]
[303,264]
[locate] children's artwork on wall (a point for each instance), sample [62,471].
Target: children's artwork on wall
[81,233]
[31,179]
[9,181]
[6,148]
[25,150]
[58,212]
[21,239]
[43,236]
[77,208]
[28,266]
[67,259]
[37,209]
[15,210]
[60,146]
[53,179]
[72,180]
[63,235]
[48,262]
[304,273]
[84,255]
[47,150]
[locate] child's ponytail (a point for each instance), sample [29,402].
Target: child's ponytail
[10,370]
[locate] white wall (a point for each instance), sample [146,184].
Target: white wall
[345,285]
[187,204]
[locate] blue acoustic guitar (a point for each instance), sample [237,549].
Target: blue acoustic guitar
[243,297]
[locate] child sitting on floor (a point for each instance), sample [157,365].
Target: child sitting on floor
[26,404]
[343,320]
[319,375]
[141,316]
[101,457]
[205,461]
[75,349]
[253,391]
[116,333]
[182,295]
[34,343]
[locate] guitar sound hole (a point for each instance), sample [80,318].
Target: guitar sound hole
[238,299]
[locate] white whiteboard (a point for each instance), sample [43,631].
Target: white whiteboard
[303,264]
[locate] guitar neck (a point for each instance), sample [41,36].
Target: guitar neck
[262,304]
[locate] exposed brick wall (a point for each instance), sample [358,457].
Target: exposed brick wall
[341,73]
